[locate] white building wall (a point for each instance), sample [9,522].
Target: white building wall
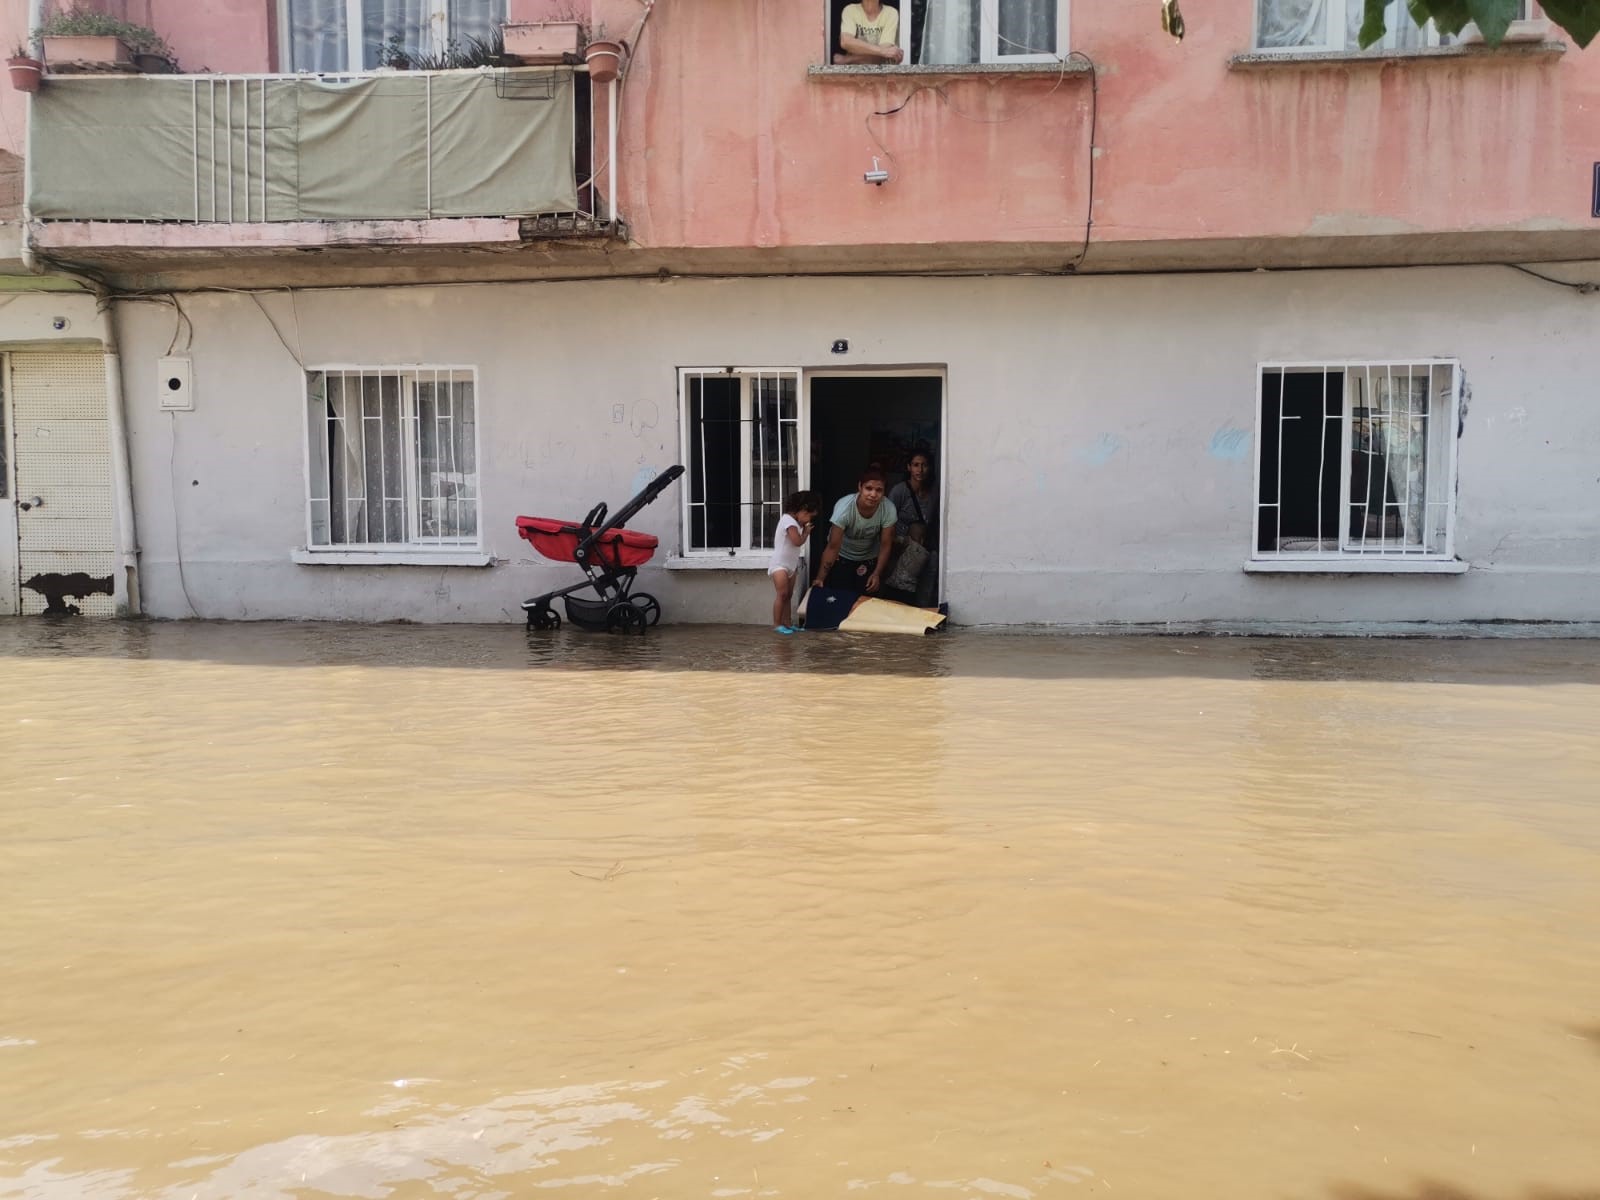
[1093,468]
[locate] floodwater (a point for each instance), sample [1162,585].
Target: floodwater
[310,911]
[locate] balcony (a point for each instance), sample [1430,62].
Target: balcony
[133,174]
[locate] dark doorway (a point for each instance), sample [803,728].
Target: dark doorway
[859,421]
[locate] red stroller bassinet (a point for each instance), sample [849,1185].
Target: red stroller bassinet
[610,557]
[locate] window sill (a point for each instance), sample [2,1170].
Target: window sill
[1329,565]
[1505,52]
[391,558]
[718,562]
[1071,66]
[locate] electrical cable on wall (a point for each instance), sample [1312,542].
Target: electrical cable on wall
[944,98]
[177,527]
[1583,289]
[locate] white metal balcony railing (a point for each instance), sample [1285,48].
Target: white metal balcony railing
[234,149]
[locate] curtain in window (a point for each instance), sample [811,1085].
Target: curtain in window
[950,32]
[1404,424]
[1282,23]
[406,24]
[475,19]
[1027,27]
[1285,23]
[316,36]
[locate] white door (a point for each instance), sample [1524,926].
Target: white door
[8,509]
[61,483]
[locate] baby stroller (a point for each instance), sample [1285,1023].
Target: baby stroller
[609,555]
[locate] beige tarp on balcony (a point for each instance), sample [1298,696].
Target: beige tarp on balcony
[454,144]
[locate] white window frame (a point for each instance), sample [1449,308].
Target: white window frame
[1336,22]
[747,552]
[989,51]
[438,25]
[457,551]
[1363,553]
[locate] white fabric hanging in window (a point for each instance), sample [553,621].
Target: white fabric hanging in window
[316,36]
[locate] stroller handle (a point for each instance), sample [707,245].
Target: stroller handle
[629,510]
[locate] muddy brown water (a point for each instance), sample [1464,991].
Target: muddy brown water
[308,911]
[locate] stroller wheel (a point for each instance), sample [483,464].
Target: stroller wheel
[623,617]
[648,605]
[544,617]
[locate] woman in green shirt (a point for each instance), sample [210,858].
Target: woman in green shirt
[860,537]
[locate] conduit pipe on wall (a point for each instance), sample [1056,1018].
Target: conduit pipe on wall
[127,590]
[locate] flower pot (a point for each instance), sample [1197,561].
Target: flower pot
[100,51]
[604,59]
[542,41]
[26,73]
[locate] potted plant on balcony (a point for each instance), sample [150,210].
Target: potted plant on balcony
[82,39]
[603,57]
[26,71]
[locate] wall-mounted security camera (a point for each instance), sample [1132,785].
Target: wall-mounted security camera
[840,346]
[60,324]
[877,175]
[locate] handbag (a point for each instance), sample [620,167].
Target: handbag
[908,567]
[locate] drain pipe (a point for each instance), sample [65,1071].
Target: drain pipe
[121,469]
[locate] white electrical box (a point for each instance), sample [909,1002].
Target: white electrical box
[176,384]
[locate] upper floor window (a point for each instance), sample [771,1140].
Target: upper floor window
[1336,25]
[353,35]
[948,32]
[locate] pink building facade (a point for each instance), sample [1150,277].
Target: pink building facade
[1255,329]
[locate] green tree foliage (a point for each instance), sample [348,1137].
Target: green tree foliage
[1580,18]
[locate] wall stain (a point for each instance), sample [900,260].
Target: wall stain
[1230,444]
[55,588]
[1100,451]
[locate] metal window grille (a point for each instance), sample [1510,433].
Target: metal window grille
[741,429]
[1357,460]
[392,457]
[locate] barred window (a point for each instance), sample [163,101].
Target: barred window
[392,457]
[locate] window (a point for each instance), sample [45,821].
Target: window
[741,433]
[1357,460]
[392,457]
[1336,25]
[964,32]
[337,36]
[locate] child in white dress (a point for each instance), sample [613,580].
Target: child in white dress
[788,542]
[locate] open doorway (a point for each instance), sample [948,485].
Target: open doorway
[859,421]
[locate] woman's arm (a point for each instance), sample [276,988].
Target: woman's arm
[830,555]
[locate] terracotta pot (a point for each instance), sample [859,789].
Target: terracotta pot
[542,41]
[26,73]
[604,59]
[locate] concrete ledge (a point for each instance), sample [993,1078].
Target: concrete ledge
[242,237]
[1506,52]
[1355,566]
[391,558]
[717,562]
[1071,66]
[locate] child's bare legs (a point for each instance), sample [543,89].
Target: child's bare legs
[783,584]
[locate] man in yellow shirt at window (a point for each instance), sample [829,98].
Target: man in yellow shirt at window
[869,35]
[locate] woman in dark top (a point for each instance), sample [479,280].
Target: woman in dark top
[916,506]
